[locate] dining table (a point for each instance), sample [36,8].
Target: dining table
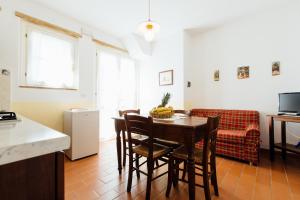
[184,130]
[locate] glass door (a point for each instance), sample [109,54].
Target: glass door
[116,89]
[128,79]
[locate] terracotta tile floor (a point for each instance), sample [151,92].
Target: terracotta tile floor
[97,177]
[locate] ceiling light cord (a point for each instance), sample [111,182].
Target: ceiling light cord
[149,10]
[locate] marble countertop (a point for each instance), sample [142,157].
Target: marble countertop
[20,140]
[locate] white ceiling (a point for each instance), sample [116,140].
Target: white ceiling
[121,17]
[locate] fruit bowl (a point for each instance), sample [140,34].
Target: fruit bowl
[162,112]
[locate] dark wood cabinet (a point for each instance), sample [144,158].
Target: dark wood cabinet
[38,178]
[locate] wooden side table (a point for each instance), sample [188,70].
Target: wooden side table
[283,145]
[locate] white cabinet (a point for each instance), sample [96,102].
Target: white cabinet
[83,128]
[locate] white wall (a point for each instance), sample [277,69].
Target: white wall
[30,101]
[167,54]
[188,59]
[256,41]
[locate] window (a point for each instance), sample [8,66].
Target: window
[49,59]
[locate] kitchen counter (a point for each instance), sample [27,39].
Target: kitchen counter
[31,161]
[26,139]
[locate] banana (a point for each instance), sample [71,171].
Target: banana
[162,112]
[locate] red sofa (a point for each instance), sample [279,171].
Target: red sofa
[238,135]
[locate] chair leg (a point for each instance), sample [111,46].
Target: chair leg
[137,163]
[215,183]
[214,178]
[206,183]
[170,175]
[176,175]
[150,165]
[124,148]
[184,171]
[129,183]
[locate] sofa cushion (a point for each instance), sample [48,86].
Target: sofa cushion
[230,119]
[231,136]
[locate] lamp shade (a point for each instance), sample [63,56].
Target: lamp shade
[149,29]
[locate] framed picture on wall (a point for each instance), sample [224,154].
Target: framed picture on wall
[276,68]
[216,75]
[166,78]
[243,72]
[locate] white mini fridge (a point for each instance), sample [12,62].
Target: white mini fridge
[82,126]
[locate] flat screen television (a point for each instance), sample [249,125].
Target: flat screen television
[289,103]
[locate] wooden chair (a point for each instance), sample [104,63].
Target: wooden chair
[168,143]
[181,111]
[135,138]
[148,149]
[204,158]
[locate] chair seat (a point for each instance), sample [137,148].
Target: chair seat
[167,143]
[158,150]
[231,136]
[181,153]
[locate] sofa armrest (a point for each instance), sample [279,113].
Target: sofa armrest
[252,133]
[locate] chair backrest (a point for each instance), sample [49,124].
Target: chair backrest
[180,111]
[140,125]
[186,112]
[210,139]
[123,112]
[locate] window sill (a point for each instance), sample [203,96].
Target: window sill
[47,88]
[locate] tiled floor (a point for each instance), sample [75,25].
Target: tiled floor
[97,177]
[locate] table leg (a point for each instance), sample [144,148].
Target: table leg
[283,140]
[271,138]
[191,178]
[118,143]
[191,166]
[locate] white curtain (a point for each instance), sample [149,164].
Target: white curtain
[116,89]
[50,61]
[128,96]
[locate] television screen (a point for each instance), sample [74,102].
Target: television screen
[289,102]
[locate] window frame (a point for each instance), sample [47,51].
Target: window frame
[26,28]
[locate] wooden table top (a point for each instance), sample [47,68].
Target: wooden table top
[287,118]
[189,122]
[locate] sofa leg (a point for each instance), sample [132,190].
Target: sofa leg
[250,163]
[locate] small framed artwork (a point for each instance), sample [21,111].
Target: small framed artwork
[243,72]
[216,75]
[166,78]
[276,68]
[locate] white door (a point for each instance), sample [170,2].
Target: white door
[116,89]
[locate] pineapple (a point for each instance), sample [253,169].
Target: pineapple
[165,100]
[162,111]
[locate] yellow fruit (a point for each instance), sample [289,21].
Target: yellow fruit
[162,112]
